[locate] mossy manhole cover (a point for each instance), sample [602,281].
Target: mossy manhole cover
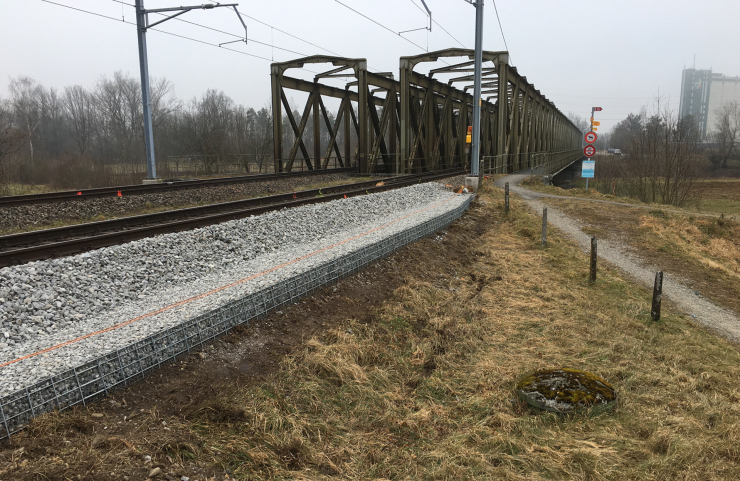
[566,390]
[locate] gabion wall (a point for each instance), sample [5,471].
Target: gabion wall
[96,378]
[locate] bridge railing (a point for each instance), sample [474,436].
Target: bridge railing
[541,163]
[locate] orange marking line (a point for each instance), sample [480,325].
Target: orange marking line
[219,289]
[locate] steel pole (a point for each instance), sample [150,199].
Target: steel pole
[141,26]
[475,155]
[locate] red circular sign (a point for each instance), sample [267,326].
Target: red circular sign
[590,137]
[589,151]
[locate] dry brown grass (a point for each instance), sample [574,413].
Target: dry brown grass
[703,251]
[426,389]
[714,243]
[716,196]
[427,392]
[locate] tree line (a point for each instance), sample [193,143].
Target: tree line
[81,137]
[665,157]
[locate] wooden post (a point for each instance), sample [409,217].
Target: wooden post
[592,276]
[657,295]
[506,197]
[544,227]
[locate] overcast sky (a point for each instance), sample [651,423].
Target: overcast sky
[619,55]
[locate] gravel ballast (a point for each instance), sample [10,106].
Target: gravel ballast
[49,302]
[22,217]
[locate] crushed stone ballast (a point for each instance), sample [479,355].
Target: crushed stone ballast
[76,327]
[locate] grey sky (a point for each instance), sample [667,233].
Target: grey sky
[613,54]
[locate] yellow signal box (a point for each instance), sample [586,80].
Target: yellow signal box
[469,137]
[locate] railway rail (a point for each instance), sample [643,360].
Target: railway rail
[51,243]
[73,195]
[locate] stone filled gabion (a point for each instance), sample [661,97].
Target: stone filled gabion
[130,357]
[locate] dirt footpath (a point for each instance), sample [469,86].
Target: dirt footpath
[723,321]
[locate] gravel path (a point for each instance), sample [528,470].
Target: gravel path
[45,303]
[725,322]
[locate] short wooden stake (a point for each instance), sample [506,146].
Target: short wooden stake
[544,227]
[657,295]
[592,275]
[506,198]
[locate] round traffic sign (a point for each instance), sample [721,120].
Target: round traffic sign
[591,137]
[589,151]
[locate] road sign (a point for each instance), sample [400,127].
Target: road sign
[590,137]
[587,169]
[589,150]
[596,123]
[595,129]
[597,109]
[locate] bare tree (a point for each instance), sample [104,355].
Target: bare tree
[53,130]
[11,139]
[118,102]
[724,136]
[79,106]
[580,122]
[664,164]
[208,122]
[25,98]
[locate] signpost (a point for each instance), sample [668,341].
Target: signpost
[588,166]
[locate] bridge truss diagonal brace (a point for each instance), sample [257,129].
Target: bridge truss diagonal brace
[344,67]
[424,119]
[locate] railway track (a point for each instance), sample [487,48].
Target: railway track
[59,242]
[74,195]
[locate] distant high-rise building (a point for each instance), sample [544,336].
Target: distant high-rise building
[703,92]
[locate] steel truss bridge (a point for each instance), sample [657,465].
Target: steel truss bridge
[419,123]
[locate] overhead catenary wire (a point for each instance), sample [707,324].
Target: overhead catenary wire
[155,29]
[220,31]
[168,33]
[284,32]
[601,98]
[502,30]
[272,28]
[438,24]
[380,25]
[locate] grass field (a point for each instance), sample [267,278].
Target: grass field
[717,196]
[422,386]
[704,251]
